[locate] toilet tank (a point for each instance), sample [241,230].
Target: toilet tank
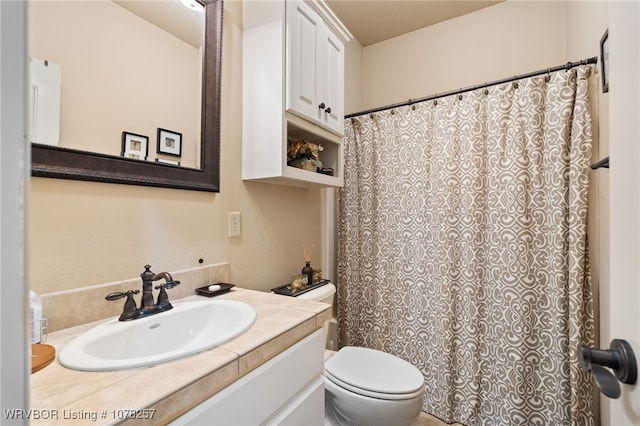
[321,294]
[325,294]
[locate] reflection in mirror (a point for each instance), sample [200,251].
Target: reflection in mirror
[112,83]
[126,91]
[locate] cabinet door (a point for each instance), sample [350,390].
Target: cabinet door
[333,82]
[305,409]
[304,43]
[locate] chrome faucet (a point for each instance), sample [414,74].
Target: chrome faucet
[147,306]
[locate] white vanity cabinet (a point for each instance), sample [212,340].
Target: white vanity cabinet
[286,390]
[293,89]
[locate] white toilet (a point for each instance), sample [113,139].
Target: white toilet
[366,386]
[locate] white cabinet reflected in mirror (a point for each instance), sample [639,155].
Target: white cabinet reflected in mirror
[126,68]
[44,101]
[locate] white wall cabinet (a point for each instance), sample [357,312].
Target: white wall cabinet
[293,88]
[315,68]
[44,101]
[286,390]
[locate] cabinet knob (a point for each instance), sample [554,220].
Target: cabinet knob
[321,106]
[328,110]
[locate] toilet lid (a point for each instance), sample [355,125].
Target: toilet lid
[373,371]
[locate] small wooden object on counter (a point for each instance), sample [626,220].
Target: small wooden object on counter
[41,356]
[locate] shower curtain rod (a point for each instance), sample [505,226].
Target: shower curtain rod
[567,67]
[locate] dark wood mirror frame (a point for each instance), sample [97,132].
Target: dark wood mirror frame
[62,163]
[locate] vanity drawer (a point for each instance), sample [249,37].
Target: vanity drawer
[264,392]
[305,409]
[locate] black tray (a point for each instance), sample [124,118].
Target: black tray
[204,291]
[288,291]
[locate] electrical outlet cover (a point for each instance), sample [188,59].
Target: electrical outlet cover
[234,224]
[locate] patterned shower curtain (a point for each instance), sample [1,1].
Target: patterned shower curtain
[463,248]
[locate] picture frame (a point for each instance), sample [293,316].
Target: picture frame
[135,146]
[171,162]
[169,142]
[604,60]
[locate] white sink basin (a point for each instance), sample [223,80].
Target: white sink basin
[188,328]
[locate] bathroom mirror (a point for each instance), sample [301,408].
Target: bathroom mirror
[80,164]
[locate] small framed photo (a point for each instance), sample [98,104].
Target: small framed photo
[604,61]
[169,142]
[135,146]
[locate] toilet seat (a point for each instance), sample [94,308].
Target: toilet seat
[374,373]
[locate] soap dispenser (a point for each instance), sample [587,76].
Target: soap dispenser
[35,317]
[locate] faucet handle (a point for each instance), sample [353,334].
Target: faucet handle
[168,285]
[120,294]
[163,299]
[130,307]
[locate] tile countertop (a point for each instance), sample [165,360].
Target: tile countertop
[158,394]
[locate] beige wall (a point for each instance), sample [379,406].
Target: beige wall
[354,75]
[82,233]
[119,73]
[496,42]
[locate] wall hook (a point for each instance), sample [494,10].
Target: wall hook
[619,358]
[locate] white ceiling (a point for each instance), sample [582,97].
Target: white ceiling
[372,21]
[170,15]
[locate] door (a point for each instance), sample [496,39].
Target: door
[15,168]
[315,69]
[304,43]
[333,82]
[622,310]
